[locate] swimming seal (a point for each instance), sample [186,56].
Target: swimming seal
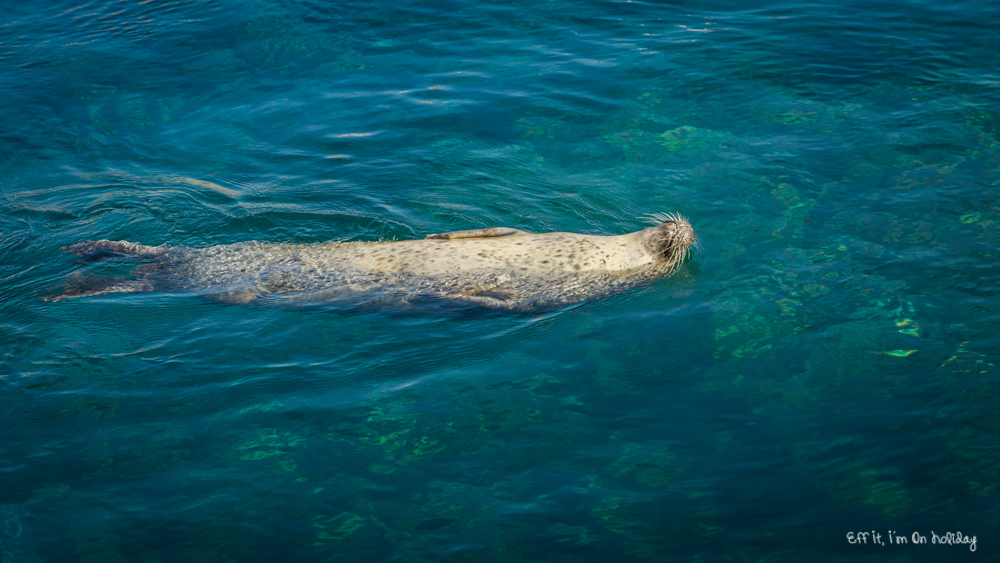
[498,268]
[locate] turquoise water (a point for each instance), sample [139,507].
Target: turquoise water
[824,364]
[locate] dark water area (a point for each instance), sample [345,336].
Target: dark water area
[824,365]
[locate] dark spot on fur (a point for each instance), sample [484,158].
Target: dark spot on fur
[576,266]
[545,261]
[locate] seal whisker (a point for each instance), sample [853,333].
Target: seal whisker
[658,218]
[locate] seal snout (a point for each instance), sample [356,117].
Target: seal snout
[671,240]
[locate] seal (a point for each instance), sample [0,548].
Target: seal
[498,268]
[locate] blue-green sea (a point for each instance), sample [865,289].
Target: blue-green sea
[818,382]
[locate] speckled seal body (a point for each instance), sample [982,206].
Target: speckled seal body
[500,268]
[541,254]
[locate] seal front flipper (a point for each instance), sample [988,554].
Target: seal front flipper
[479,233]
[492,298]
[497,302]
[236,296]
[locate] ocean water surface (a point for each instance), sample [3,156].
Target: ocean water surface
[825,365]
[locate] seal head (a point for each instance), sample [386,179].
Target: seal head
[670,241]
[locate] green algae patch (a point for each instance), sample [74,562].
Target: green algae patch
[427,446]
[270,446]
[973,217]
[337,527]
[687,139]
[381,469]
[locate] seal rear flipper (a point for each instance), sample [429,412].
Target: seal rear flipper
[100,286]
[99,250]
[479,233]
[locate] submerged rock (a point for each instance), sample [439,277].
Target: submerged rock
[15,536]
